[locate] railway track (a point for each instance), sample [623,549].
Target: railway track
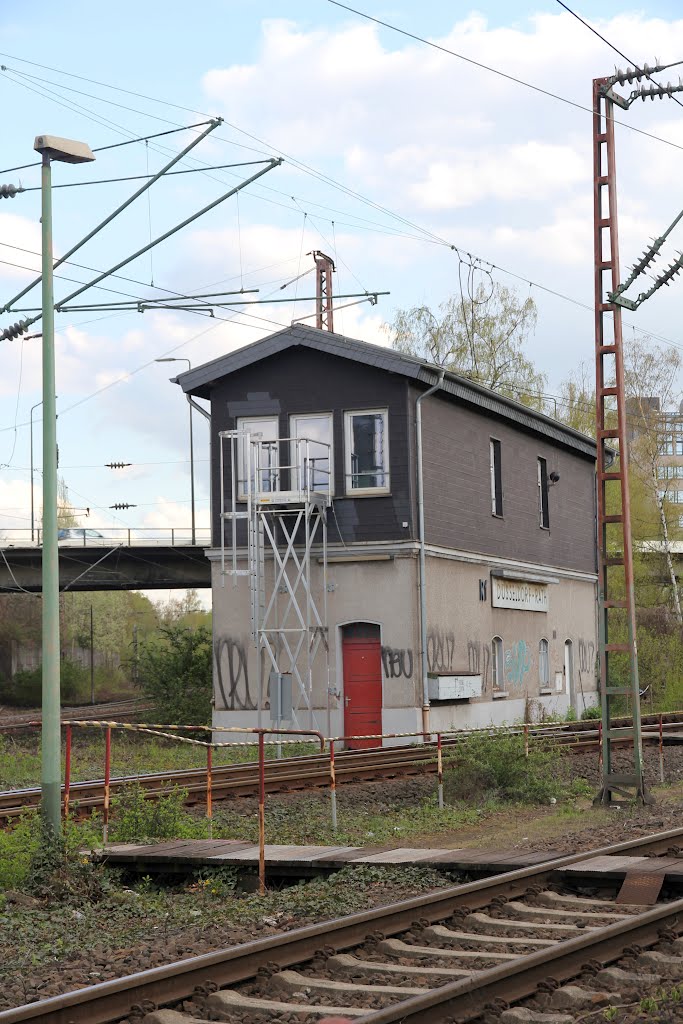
[458,954]
[16,721]
[302,772]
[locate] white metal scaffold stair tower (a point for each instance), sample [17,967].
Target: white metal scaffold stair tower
[284,535]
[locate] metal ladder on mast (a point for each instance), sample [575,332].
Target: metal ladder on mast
[615,549]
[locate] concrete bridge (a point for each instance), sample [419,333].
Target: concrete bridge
[110,560]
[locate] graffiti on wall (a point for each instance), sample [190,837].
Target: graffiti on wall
[441,650]
[397,662]
[479,660]
[586,656]
[232,675]
[517,663]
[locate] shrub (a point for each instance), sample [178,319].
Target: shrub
[493,766]
[593,712]
[24,690]
[176,674]
[48,867]
[135,819]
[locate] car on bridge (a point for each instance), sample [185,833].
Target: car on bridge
[79,535]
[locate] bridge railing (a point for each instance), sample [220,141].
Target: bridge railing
[134,536]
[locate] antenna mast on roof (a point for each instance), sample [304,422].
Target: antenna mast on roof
[324,268]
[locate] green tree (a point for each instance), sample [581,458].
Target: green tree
[185,610]
[176,674]
[481,336]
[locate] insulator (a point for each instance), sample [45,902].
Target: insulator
[9,191]
[117,465]
[14,330]
[121,505]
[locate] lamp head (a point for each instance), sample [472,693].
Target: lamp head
[65,150]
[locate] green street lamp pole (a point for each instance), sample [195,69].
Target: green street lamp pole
[65,150]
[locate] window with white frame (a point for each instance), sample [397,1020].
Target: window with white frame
[496,478]
[264,458]
[543,664]
[312,458]
[497,676]
[366,437]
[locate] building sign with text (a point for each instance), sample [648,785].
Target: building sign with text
[520,594]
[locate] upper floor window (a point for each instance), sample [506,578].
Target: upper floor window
[496,478]
[311,459]
[263,459]
[367,451]
[543,664]
[543,507]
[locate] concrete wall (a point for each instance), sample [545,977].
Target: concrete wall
[461,627]
[380,592]
[460,630]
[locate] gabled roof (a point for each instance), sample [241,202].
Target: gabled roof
[200,379]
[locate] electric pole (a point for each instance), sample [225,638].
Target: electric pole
[616,594]
[324,268]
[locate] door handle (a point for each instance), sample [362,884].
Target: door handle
[346,701]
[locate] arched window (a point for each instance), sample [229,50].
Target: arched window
[497,663]
[543,664]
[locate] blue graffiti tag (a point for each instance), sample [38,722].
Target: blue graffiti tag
[517,663]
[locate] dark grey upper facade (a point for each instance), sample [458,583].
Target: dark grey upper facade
[302,370]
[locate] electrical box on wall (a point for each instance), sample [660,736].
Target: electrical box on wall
[454,687]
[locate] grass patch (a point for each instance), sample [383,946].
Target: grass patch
[131,754]
[298,821]
[307,820]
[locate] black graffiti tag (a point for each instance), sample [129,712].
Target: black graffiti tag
[230,655]
[397,662]
[440,650]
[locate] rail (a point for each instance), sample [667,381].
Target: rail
[462,1000]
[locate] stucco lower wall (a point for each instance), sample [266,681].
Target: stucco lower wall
[383,593]
[461,625]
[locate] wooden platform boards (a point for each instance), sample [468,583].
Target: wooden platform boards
[616,867]
[181,855]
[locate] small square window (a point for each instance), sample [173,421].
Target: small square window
[367,451]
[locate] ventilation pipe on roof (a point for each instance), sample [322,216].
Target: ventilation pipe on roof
[422,579]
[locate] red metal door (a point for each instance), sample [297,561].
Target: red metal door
[362,690]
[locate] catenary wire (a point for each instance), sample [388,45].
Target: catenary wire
[424,232]
[502,74]
[613,47]
[113,145]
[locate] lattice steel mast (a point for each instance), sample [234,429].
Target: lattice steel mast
[615,549]
[324,314]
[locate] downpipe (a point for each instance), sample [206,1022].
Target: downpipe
[422,574]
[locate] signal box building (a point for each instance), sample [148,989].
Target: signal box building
[321,572]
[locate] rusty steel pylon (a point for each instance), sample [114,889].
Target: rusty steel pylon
[618,655]
[324,268]
[614,559]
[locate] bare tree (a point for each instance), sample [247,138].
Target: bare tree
[651,374]
[479,334]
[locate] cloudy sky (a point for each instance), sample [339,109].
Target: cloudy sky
[394,152]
